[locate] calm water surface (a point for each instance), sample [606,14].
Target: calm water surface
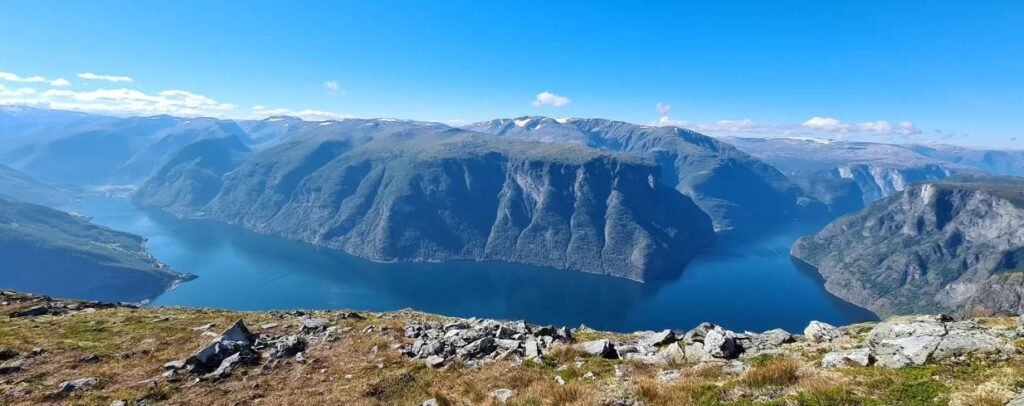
[742,284]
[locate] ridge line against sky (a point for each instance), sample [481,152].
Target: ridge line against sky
[880,71]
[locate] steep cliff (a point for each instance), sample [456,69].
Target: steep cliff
[736,189]
[926,249]
[438,194]
[53,252]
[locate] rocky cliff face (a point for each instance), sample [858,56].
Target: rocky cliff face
[434,194]
[931,247]
[736,189]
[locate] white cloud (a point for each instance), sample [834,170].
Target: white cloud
[662,108]
[10,77]
[124,102]
[875,127]
[550,99]
[333,87]
[108,78]
[908,128]
[827,124]
[25,91]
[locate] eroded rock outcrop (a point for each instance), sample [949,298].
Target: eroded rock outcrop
[944,246]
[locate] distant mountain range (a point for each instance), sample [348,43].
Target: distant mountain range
[848,175]
[594,195]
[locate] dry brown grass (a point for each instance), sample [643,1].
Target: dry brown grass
[779,372]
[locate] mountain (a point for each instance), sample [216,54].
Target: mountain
[193,176]
[16,185]
[393,190]
[53,252]
[84,149]
[933,247]
[847,175]
[994,162]
[736,189]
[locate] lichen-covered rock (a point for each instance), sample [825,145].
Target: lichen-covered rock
[721,343]
[820,332]
[859,357]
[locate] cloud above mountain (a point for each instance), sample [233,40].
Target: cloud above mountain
[550,99]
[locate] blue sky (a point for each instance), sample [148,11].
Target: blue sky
[947,71]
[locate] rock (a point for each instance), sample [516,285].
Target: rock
[903,328]
[619,370]
[859,357]
[907,351]
[300,358]
[89,359]
[429,402]
[502,395]
[434,361]
[7,354]
[268,326]
[119,403]
[602,348]
[667,376]
[672,353]
[238,334]
[735,367]
[12,367]
[960,343]
[287,346]
[478,348]
[81,384]
[697,334]
[720,343]
[1017,401]
[309,325]
[559,380]
[228,365]
[351,316]
[33,311]
[819,332]
[531,349]
[589,376]
[204,327]
[658,339]
[174,365]
[564,334]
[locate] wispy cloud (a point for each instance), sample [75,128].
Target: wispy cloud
[333,87]
[664,120]
[21,92]
[259,111]
[550,99]
[10,77]
[131,101]
[108,78]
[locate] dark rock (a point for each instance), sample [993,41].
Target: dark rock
[7,353]
[33,311]
[82,384]
[11,367]
[287,347]
[697,334]
[89,359]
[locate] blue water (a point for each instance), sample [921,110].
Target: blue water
[742,284]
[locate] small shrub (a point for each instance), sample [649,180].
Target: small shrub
[780,372]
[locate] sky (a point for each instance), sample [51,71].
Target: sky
[891,71]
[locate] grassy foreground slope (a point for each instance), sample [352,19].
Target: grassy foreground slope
[118,354]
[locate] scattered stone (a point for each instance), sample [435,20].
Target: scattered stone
[434,361]
[721,343]
[236,339]
[89,359]
[82,384]
[589,376]
[697,334]
[667,376]
[269,326]
[33,311]
[7,354]
[205,327]
[287,346]
[658,339]
[174,365]
[559,380]
[310,325]
[502,395]
[819,332]
[602,348]
[119,403]
[12,367]
[860,357]
[37,352]
[300,358]
[429,402]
